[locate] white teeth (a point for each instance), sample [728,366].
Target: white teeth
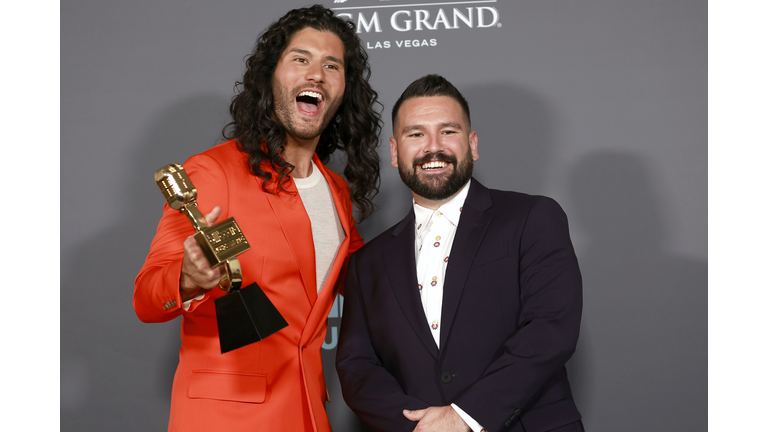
[315,95]
[434,164]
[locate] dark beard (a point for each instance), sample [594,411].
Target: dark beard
[438,188]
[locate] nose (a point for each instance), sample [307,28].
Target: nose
[315,72]
[434,145]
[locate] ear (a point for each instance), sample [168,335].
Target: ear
[393,150]
[473,145]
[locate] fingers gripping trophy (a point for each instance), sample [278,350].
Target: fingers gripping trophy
[246,315]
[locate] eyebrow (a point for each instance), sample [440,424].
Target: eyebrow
[411,128]
[442,125]
[309,54]
[451,125]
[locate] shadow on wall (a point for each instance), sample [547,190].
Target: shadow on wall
[515,129]
[116,372]
[641,363]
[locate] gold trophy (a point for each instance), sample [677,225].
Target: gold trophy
[246,315]
[221,243]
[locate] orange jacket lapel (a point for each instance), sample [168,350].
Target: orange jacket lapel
[297,230]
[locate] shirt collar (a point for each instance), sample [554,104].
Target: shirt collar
[311,181]
[451,210]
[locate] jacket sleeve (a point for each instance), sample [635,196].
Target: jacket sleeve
[548,324]
[368,388]
[156,296]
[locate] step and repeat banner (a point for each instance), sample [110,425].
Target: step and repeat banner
[600,104]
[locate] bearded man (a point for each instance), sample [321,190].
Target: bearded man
[304,95]
[462,316]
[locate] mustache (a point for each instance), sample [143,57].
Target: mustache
[301,87]
[429,157]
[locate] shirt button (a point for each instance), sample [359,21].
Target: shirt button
[438,238]
[446,377]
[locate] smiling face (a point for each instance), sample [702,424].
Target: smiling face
[433,148]
[308,83]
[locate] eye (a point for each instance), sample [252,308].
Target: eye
[300,60]
[333,66]
[416,134]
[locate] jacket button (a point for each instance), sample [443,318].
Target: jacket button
[446,377]
[516,415]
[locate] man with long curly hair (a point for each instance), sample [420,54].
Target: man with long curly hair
[305,94]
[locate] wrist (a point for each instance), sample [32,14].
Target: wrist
[188,291]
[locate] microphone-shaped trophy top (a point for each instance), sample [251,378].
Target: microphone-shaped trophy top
[175,185]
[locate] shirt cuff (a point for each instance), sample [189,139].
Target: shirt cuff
[475,426]
[188,303]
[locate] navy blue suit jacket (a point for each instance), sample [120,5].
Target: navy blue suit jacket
[511,313]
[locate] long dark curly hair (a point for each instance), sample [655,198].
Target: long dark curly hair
[354,129]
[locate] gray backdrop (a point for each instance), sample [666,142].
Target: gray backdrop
[600,104]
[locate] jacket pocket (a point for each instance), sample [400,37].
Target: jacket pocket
[550,416]
[489,254]
[227,386]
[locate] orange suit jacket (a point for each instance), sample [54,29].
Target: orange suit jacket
[274,384]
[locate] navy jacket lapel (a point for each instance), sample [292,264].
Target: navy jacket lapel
[473,225]
[400,262]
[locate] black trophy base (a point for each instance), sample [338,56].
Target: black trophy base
[246,316]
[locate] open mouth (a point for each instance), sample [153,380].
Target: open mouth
[434,162]
[309,101]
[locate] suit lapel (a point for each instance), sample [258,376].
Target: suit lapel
[472,227]
[400,263]
[297,230]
